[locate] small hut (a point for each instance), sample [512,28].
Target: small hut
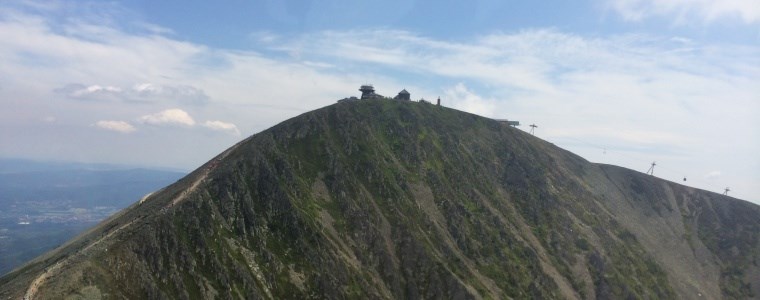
[403,95]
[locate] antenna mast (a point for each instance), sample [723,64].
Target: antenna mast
[532,128]
[651,169]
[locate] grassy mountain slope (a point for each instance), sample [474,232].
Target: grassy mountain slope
[386,199]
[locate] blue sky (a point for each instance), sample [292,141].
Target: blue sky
[172,83]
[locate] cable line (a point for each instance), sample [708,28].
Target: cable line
[606,150]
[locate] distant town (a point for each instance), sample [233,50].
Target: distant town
[53,211]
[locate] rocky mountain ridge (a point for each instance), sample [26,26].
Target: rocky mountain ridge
[397,199]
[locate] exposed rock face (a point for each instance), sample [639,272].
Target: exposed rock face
[389,199]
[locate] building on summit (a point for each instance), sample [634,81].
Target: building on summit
[508,122]
[368,92]
[403,95]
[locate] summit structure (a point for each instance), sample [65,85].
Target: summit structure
[368,92]
[403,95]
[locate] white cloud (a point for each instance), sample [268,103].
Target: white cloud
[222,126]
[33,44]
[174,116]
[96,89]
[147,88]
[713,175]
[264,36]
[142,92]
[685,10]
[151,92]
[118,126]
[153,28]
[91,92]
[461,98]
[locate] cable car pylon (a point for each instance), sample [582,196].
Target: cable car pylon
[651,169]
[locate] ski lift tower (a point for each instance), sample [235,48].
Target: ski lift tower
[651,169]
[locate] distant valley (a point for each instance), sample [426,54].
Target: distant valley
[44,204]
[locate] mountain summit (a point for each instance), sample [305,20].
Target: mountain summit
[398,199]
